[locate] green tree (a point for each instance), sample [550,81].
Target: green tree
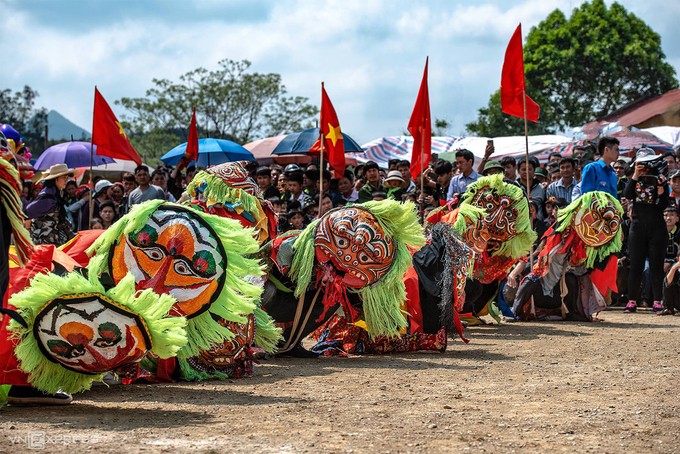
[582,68]
[230,102]
[18,110]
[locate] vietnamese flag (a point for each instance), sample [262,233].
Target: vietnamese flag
[512,81]
[420,127]
[191,152]
[332,136]
[108,134]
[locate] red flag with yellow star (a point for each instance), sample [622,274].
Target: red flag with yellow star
[332,136]
[108,134]
[420,127]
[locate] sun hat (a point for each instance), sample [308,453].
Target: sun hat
[394,175]
[57,171]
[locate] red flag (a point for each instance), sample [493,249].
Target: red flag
[420,128]
[108,134]
[512,81]
[191,152]
[334,143]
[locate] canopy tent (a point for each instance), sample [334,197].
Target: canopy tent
[669,134]
[400,147]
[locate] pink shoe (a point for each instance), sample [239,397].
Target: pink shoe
[657,307]
[630,307]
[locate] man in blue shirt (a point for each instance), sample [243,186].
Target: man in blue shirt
[599,175]
[466,175]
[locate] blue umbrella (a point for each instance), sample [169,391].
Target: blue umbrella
[301,142]
[73,154]
[210,152]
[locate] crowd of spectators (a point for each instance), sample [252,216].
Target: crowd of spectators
[299,194]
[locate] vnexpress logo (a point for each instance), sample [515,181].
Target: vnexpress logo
[36,440]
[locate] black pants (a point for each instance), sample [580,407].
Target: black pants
[671,297]
[646,240]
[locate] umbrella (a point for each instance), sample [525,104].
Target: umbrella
[210,152]
[301,142]
[262,149]
[73,154]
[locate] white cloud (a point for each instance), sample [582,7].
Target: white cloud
[370,54]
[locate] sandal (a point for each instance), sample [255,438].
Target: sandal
[666,312]
[630,307]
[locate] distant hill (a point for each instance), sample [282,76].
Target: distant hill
[61,128]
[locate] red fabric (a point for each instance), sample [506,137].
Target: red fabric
[77,246]
[512,81]
[108,134]
[420,127]
[191,152]
[41,262]
[333,140]
[605,280]
[415,319]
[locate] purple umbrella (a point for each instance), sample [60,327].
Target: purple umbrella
[73,154]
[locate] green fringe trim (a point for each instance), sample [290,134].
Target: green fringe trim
[167,333]
[382,300]
[466,211]
[4,391]
[267,334]
[190,374]
[519,245]
[566,215]
[218,190]
[238,297]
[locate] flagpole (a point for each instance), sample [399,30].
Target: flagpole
[526,167]
[422,178]
[91,182]
[321,156]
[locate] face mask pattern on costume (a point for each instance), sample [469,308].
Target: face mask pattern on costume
[476,235]
[501,214]
[356,244]
[597,224]
[90,334]
[176,253]
[222,357]
[235,175]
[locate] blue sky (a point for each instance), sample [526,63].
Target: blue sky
[370,53]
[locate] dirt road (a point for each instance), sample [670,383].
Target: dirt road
[524,387]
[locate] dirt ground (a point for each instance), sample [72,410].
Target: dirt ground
[521,387]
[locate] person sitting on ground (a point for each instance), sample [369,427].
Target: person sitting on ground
[671,289]
[671,218]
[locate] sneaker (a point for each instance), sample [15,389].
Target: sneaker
[28,395]
[657,307]
[630,307]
